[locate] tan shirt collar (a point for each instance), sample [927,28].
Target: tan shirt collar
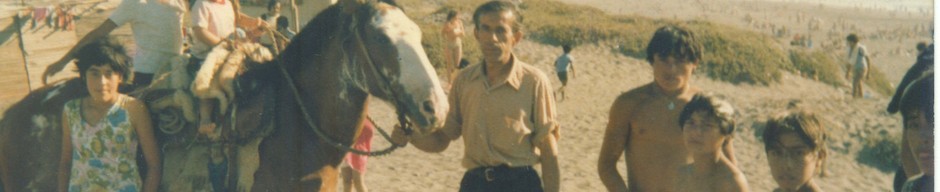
[513,79]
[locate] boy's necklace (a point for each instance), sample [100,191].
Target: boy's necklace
[672,102]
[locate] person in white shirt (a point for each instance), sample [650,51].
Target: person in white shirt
[858,64]
[158,34]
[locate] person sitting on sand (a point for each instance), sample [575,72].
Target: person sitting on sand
[706,124]
[642,120]
[917,110]
[796,150]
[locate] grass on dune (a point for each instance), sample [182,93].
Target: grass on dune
[732,54]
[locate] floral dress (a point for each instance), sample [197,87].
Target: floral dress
[103,153]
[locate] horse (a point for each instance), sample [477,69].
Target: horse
[310,99]
[347,52]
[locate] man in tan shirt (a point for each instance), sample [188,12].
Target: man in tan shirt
[504,110]
[644,122]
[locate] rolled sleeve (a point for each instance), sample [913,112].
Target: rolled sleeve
[543,117]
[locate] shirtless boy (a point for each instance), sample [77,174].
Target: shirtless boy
[643,120]
[707,123]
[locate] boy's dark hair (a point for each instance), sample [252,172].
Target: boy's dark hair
[498,6]
[282,22]
[918,97]
[463,63]
[713,106]
[451,15]
[676,41]
[852,37]
[805,124]
[566,48]
[272,3]
[921,46]
[106,51]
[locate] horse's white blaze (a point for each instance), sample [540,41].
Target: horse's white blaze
[416,73]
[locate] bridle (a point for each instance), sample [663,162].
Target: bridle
[386,89]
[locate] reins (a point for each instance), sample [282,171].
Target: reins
[321,134]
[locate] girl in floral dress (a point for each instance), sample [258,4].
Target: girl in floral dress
[101,131]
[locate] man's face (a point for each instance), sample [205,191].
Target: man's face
[919,130]
[672,74]
[496,36]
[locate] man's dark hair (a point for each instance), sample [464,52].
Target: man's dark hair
[106,51]
[918,97]
[272,3]
[498,6]
[712,106]
[852,37]
[566,48]
[676,41]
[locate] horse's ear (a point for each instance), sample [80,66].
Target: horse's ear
[350,6]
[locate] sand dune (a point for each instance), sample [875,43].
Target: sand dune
[603,75]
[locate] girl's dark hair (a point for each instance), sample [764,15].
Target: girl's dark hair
[713,106]
[676,41]
[918,97]
[106,51]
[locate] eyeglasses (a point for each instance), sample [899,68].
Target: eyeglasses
[791,154]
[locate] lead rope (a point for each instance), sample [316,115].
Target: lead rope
[322,135]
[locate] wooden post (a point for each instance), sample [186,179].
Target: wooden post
[19,34]
[293,10]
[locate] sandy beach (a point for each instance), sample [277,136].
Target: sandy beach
[602,74]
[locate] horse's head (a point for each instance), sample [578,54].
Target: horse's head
[401,72]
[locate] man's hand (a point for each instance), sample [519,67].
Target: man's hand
[54,68]
[399,137]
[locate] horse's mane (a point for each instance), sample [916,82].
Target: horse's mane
[313,38]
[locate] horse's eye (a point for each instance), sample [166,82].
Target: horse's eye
[381,39]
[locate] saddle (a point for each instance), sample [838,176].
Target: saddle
[235,74]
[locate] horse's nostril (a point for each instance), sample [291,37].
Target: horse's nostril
[428,107]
